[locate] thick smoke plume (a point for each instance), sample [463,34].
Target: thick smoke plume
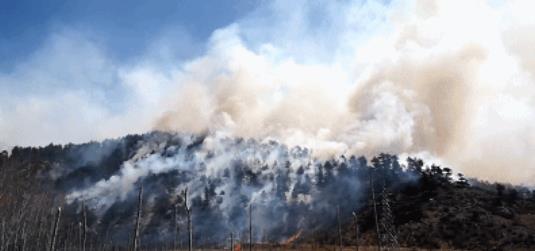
[449,80]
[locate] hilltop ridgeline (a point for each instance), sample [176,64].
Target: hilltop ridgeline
[289,191]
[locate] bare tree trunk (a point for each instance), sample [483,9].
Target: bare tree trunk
[231,241]
[16,241]
[80,235]
[84,226]
[23,247]
[136,242]
[40,232]
[3,237]
[190,225]
[176,226]
[55,230]
[375,212]
[250,227]
[339,227]
[106,239]
[356,222]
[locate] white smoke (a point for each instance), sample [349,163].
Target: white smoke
[238,172]
[449,79]
[215,156]
[439,77]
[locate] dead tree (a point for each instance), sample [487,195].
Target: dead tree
[375,212]
[356,222]
[176,226]
[231,241]
[250,227]
[55,230]
[135,241]
[3,238]
[339,227]
[187,207]
[83,227]
[80,235]
[24,236]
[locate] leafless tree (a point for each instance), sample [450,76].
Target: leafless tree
[55,230]
[356,223]
[339,228]
[136,242]
[375,212]
[250,227]
[231,241]
[83,227]
[176,226]
[187,207]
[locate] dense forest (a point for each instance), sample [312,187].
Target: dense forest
[131,192]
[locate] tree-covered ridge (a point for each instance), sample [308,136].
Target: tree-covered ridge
[289,190]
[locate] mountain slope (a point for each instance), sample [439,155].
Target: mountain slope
[290,192]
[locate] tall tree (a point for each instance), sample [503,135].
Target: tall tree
[136,241]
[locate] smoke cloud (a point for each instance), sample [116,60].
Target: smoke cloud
[449,79]
[446,79]
[286,186]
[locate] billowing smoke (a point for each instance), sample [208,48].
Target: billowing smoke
[451,80]
[447,80]
[288,190]
[196,157]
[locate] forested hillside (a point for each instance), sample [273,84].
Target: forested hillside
[239,186]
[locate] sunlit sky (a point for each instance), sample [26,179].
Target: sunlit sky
[123,28]
[452,80]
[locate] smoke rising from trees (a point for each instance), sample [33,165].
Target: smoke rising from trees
[443,79]
[452,80]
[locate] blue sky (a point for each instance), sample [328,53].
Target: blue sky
[335,76]
[123,28]
[74,71]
